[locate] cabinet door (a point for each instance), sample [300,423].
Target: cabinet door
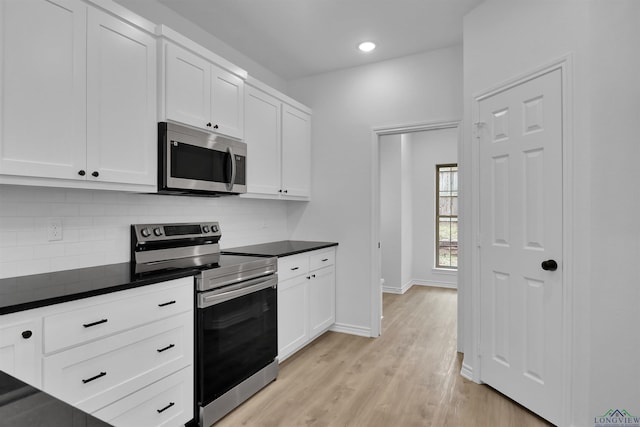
[19,349]
[227,103]
[293,323]
[43,85]
[322,311]
[262,135]
[121,101]
[188,87]
[296,152]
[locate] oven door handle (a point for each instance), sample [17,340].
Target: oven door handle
[207,299]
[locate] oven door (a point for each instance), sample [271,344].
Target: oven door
[237,335]
[194,161]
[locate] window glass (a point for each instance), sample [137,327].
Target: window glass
[447,216]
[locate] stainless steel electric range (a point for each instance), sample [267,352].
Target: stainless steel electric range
[236,311]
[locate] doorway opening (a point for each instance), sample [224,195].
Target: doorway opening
[404,210]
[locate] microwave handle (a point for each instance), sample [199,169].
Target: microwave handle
[233,169]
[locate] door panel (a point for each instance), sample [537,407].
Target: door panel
[188,87]
[521,221]
[43,84]
[296,147]
[121,107]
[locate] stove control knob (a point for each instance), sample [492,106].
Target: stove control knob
[214,228]
[205,229]
[157,231]
[145,232]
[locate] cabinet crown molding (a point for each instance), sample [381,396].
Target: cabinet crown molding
[167,33]
[257,84]
[125,14]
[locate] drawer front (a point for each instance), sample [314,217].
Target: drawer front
[94,318]
[322,259]
[293,266]
[95,374]
[168,402]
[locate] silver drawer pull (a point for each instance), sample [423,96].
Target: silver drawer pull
[325,260]
[88,325]
[164,304]
[295,268]
[166,407]
[100,375]
[160,350]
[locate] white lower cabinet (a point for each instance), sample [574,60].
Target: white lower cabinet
[20,346]
[293,323]
[93,375]
[306,299]
[125,357]
[168,402]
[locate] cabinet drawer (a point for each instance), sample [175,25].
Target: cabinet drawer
[94,318]
[95,374]
[322,259]
[168,402]
[292,266]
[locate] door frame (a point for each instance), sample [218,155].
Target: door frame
[376,270]
[565,65]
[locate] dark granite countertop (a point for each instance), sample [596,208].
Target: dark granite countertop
[279,249]
[27,292]
[24,405]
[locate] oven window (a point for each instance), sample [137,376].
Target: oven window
[236,339]
[203,164]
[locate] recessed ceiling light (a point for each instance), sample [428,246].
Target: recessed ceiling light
[366,46]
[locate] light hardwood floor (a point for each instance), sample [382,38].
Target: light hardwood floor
[410,376]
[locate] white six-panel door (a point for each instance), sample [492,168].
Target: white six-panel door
[520,137]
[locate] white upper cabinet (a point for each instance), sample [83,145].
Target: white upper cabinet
[278,137]
[227,102]
[296,151]
[201,94]
[78,105]
[121,101]
[43,87]
[262,135]
[188,87]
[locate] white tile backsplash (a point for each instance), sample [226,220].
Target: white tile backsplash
[96,224]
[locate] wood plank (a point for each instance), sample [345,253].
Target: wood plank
[410,376]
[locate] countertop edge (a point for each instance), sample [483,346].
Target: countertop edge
[279,254]
[19,307]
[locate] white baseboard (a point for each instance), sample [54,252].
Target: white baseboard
[437,284]
[466,372]
[418,282]
[397,290]
[351,329]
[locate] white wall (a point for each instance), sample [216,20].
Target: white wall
[406,210]
[504,39]
[347,105]
[407,202]
[615,208]
[96,224]
[391,210]
[430,148]
[161,14]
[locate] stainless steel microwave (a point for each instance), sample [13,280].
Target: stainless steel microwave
[199,163]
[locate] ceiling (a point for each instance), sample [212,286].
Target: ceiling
[298,38]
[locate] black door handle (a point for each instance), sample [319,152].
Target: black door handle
[549,265]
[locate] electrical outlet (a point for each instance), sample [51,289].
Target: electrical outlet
[54,229]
